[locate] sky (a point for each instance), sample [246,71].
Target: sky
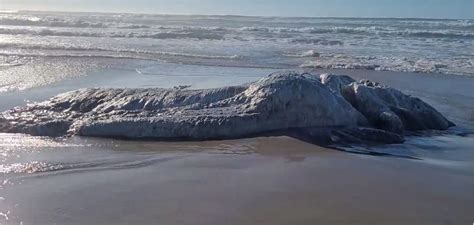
[453,9]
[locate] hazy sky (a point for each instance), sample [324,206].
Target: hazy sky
[339,8]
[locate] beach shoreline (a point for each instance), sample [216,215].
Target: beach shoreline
[266,180]
[427,177]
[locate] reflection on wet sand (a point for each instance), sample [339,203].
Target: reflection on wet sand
[268,180]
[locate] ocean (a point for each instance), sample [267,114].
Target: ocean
[37,48]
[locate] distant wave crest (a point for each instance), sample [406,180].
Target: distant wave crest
[153,35]
[219,33]
[36,21]
[85,51]
[364,30]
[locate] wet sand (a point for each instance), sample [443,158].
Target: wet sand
[267,180]
[275,180]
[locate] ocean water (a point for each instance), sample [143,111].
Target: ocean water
[38,48]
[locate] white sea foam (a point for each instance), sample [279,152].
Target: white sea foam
[304,54]
[403,64]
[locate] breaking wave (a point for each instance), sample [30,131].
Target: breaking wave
[91,52]
[305,54]
[152,35]
[317,41]
[364,31]
[36,21]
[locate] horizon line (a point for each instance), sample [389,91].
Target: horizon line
[235,15]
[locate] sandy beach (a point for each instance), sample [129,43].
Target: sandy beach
[264,180]
[267,180]
[275,180]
